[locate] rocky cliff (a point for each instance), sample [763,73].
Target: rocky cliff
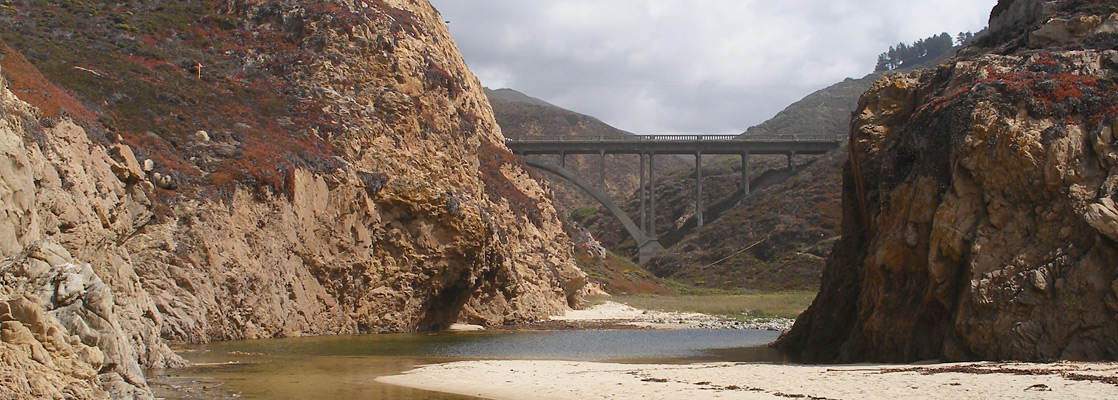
[194,171]
[978,202]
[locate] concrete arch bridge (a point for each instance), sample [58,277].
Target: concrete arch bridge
[648,147]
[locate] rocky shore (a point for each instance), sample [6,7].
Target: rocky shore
[613,315]
[334,168]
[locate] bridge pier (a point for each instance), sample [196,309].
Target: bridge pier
[563,160]
[652,194]
[745,173]
[602,170]
[642,193]
[649,250]
[699,189]
[648,245]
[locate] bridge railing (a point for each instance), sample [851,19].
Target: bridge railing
[675,138]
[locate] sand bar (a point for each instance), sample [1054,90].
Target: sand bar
[523,379]
[519,379]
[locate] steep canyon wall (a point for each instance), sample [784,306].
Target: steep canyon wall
[978,203]
[227,170]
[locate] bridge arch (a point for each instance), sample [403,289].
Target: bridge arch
[648,246]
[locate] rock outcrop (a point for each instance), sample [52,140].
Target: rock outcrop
[978,218]
[81,317]
[333,168]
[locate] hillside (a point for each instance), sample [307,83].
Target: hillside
[186,171]
[824,112]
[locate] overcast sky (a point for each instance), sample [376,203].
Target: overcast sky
[688,66]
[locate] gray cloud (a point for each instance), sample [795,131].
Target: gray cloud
[694,66]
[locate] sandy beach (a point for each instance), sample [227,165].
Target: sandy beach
[535,379]
[584,380]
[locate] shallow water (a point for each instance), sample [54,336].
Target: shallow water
[345,367]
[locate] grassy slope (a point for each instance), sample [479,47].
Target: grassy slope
[825,112]
[135,65]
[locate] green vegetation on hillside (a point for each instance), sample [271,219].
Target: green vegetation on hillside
[904,55]
[923,51]
[157,72]
[582,213]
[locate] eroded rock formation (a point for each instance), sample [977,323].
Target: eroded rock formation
[335,168]
[74,305]
[978,218]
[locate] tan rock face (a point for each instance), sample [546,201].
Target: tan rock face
[63,192]
[67,370]
[979,218]
[425,221]
[415,218]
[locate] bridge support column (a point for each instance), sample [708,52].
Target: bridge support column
[648,250]
[791,164]
[745,173]
[652,195]
[602,170]
[643,195]
[648,245]
[699,189]
[563,160]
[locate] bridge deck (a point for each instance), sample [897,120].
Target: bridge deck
[674,144]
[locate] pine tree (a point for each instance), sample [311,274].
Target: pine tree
[905,55]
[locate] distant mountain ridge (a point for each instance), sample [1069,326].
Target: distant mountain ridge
[827,111]
[824,112]
[513,96]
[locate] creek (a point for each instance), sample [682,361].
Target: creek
[345,367]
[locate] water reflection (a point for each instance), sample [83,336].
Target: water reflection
[345,367]
[625,345]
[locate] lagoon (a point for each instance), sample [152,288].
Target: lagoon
[345,367]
